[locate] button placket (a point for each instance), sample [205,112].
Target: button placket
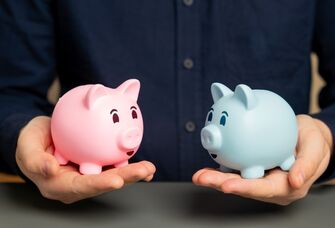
[188,77]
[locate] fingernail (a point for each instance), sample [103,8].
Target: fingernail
[45,169]
[301,177]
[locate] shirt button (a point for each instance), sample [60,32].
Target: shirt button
[190,126]
[188,63]
[188,2]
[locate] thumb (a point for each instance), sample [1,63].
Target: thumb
[308,158]
[40,163]
[34,149]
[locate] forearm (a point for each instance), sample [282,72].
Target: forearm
[13,117]
[27,68]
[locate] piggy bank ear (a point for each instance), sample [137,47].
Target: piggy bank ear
[130,88]
[93,94]
[246,95]
[219,90]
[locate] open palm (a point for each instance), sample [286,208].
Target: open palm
[312,153]
[34,158]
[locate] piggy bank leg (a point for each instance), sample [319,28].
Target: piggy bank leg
[121,164]
[287,164]
[60,159]
[90,168]
[252,172]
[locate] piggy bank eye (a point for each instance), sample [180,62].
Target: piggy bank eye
[223,120]
[210,117]
[134,114]
[116,118]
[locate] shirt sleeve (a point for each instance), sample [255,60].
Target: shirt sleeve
[27,68]
[324,47]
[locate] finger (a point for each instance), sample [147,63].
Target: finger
[309,157]
[50,149]
[134,172]
[214,178]
[35,148]
[273,185]
[321,169]
[38,132]
[149,166]
[149,178]
[41,163]
[196,175]
[86,186]
[70,186]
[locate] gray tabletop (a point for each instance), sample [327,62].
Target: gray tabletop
[162,205]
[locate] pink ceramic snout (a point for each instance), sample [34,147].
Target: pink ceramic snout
[130,138]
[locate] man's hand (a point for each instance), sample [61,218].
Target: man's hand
[313,153]
[34,158]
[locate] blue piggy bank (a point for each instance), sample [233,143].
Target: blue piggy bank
[250,130]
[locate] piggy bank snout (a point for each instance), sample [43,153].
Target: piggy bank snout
[211,137]
[130,138]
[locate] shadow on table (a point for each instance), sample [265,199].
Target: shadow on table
[321,189]
[214,204]
[28,197]
[187,202]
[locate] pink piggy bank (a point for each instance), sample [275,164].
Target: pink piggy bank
[95,126]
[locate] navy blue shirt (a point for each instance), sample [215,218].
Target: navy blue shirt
[176,49]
